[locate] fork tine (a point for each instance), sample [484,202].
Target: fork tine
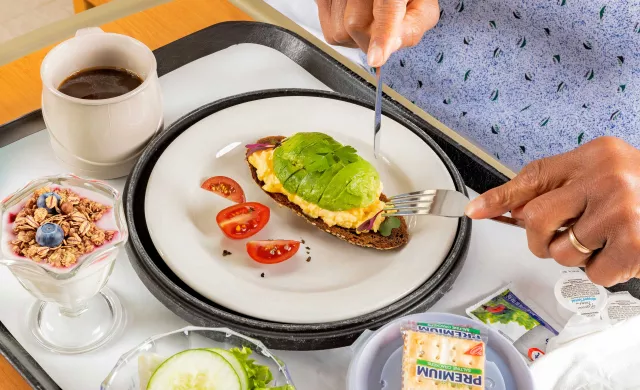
[417,196]
[446,203]
[410,201]
[406,213]
[429,193]
[407,208]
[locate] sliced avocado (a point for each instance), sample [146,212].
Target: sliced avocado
[320,186]
[365,184]
[309,156]
[352,187]
[359,192]
[288,158]
[284,169]
[322,171]
[329,199]
[291,146]
[318,150]
[305,190]
[293,182]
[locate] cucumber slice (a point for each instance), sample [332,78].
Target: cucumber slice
[148,363]
[236,364]
[195,369]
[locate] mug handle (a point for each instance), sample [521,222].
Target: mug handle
[89,30]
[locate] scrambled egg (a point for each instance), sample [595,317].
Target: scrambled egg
[350,219]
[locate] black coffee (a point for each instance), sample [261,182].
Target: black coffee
[100,83]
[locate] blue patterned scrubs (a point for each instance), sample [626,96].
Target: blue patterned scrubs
[530,78]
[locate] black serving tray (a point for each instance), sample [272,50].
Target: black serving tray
[475,172]
[191,306]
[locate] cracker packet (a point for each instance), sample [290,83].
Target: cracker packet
[516,318]
[442,356]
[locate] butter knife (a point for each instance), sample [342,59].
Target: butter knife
[378,113]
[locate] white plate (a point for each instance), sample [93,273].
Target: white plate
[341,281]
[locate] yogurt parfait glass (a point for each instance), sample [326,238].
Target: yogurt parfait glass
[74,311]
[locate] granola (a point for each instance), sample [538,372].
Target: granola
[75,215]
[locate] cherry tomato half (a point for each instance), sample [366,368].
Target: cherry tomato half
[272,251]
[243,220]
[225,187]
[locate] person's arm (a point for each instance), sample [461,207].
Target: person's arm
[378,27]
[595,189]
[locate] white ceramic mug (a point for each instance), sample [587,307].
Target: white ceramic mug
[100,138]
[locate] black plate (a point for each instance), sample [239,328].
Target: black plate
[193,307]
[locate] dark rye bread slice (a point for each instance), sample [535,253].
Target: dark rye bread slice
[398,237]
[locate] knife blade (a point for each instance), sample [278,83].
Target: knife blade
[378,113]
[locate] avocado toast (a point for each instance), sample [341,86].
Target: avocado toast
[329,185]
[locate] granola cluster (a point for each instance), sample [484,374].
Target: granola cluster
[74,214]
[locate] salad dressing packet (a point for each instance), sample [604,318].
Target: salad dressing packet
[509,313]
[442,356]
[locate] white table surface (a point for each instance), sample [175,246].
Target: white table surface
[498,253]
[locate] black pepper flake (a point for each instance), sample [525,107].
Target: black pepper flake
[302,241]
[307,248]
[308,259]
[262,275]
[226,253]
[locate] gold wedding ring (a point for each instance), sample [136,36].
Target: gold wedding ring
[576,244]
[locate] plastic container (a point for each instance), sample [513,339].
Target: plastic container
[377,360]
[576,294]
[125,375]
[621,306]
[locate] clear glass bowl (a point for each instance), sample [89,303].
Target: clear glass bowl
[126,375]
[74,313]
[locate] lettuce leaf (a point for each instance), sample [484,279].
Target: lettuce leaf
[388,225]
[259,376]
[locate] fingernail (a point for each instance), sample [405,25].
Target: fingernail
[474,207]
[375,55]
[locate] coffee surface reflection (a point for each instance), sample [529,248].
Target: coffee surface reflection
[100,83]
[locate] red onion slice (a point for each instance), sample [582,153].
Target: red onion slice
[368,224]
[252,148]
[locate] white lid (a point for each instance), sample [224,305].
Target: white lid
[621,306]
[576,293]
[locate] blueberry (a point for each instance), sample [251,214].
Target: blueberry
[42,202]
[50,235]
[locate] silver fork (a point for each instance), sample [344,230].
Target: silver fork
[444,203]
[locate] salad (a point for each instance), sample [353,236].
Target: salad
[206,369]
